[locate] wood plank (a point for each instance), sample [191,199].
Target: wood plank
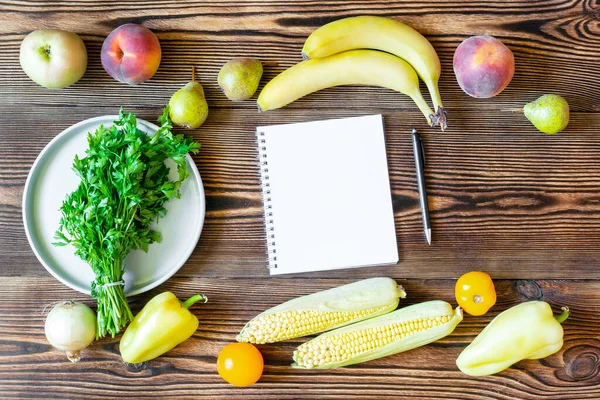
[495,183]
[491,191]
[189,370]
[503,197]
[554,42]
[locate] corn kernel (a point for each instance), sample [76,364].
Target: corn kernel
[352,344]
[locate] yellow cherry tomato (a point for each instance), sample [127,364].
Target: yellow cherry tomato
[240,364]
[475,292]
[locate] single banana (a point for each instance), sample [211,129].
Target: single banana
[362,67]
[385,34]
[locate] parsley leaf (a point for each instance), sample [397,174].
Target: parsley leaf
[124,187]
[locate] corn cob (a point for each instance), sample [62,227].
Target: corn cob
[401,330]
[324,310]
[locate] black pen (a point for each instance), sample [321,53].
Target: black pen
[419,153]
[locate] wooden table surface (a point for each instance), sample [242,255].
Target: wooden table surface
[504,198]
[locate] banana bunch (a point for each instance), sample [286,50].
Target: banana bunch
[336,54]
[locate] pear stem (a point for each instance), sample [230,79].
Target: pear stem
[514,110]
[193,74]
[270,64]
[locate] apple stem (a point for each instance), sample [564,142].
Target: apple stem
[45,51]
[193,74]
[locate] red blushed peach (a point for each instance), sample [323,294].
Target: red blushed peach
[483,66]
[131,54]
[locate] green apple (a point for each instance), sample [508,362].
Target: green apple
[53,58]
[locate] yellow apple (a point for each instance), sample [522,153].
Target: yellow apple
[53,58]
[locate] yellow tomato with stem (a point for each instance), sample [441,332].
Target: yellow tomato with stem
[240,364]
[475,292]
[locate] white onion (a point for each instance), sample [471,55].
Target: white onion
[71,327]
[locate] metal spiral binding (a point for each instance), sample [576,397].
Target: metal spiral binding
[268,207]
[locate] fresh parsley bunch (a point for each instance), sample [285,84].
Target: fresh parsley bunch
[124,187]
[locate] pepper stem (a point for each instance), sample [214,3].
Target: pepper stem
[194,299]
[562,317]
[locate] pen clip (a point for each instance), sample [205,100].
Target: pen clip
[422,150]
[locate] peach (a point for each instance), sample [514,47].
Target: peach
[483,66]
[131,54]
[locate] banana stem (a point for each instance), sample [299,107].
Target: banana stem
[434,92]
[441,118]
[424,107]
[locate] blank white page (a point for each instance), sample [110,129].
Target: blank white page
[327,195]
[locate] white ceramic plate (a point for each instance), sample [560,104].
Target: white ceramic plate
[51,179]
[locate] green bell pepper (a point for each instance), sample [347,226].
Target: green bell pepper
[163,323]
[526,331]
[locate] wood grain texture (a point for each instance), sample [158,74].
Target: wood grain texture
[492,190]
[503,197]
[494,182]
[189,370]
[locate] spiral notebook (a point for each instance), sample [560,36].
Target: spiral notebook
[326,195]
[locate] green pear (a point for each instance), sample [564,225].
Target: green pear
[239,78]
[188,107]
[549,113]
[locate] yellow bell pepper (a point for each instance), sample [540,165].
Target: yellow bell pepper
[163,323]
[526,331]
